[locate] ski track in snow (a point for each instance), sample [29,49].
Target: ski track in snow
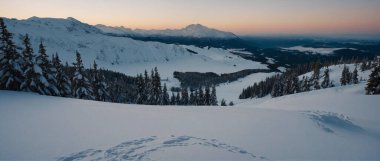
[142,149]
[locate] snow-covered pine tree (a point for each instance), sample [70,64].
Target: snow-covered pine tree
[295,86]
[81,85]
[2,41]
[355,78]
[178,99]
[157,90]
[48,72]
[94,79]
[288,86]
[306,85]
[30,80]
[192,98]
[99,86]
[343,78]
[196,97]
[172,99]
[373,83]
[185,96]
[165,100]
[147,94]
[207,96]
[326,79]
[11,74]
[275,90]
[363,66]
[200,98]
[140,89]
[63,81]
[214,99]
[348,76]
[316,79]
[223,102]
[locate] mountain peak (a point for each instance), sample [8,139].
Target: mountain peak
[195,26]
[72,19]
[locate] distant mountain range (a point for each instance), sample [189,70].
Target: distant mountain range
[193,48]
[192,31]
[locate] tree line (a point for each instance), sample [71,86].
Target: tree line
[289,82]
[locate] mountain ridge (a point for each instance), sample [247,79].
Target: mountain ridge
[191,31]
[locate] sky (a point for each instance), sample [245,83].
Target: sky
[244,17]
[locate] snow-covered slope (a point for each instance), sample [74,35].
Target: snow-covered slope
[122,54]
[340,123]
[191,31]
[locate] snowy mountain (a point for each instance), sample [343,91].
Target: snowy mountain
[192,31]
[124,54]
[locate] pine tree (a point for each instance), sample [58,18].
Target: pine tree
[214,99]
[373,83]
[196,98]
[11,74]
[207,96]
[316,71]
[200,98]
[231,103]
[355,79]
[223,103]
[316,79]
[156,89]
[276,90]
[343,78]
[295,86]
[81,85]
[178,99]
[305,84]
[363,66]
[31,77]
[185,97]
[63,81]
[48,72]
[99,86]
[326,79]
[140,89]
[172,99]
[165,100]
[147,94]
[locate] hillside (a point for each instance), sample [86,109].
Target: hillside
[124,54]
[338,123]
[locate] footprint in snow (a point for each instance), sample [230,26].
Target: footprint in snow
[170,148]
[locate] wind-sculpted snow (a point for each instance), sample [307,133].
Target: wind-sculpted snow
[145,149]
[329,121]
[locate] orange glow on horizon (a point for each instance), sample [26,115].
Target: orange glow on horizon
[239,16]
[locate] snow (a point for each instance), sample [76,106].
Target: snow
[37,69]
[339,123]
[193,30]
[270,60]
[122,54]
[240,51]
[311,50]
[231,90]
[335,72]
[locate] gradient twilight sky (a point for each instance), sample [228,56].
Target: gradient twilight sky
[238,16]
